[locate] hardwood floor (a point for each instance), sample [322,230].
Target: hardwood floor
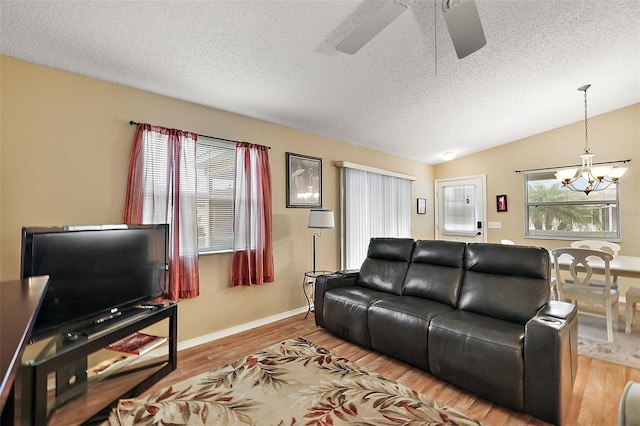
[596,392]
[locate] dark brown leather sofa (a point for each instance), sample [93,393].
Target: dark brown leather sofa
[475,315]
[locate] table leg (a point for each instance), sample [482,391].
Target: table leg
[307,282]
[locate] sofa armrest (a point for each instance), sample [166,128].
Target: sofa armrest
[551,361]
[558,310]
[326,282]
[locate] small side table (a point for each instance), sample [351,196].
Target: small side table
[632,296]
[308,281]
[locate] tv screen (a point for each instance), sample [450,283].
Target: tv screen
[94,271]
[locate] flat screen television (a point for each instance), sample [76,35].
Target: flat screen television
[95,272]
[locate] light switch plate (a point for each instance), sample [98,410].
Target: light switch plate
[495,225]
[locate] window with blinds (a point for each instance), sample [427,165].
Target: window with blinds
[373,205]
[215,167]
[553,212]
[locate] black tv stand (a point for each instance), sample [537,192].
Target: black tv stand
[85,397]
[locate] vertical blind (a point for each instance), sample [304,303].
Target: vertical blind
[372,205]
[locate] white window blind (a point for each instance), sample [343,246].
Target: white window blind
[372,205]
[215,168]
[459,209]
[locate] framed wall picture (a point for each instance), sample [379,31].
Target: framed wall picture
[422,206]
[304,181]
[501,203]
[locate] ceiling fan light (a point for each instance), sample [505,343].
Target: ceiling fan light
[449,155]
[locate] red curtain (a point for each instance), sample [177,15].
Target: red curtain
[252,246]
[161,188]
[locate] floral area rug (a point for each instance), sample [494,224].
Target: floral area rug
[293,382]
[593,343]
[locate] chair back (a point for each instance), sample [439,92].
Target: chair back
[507,242]
[581,273]
[597,245]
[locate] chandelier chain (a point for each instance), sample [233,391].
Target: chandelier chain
[586,128]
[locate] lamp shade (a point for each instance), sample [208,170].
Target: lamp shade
[321,219]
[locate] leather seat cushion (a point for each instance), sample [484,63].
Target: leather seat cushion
[481,354]
[345,312]
[399,326]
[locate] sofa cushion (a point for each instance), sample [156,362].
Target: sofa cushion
[481,354]
[399,327]
[505,282]
[435,271]
[345,312]
[386,264]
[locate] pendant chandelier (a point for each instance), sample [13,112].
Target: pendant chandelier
[594,178]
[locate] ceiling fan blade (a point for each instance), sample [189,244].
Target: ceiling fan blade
[370,28]
[465,28]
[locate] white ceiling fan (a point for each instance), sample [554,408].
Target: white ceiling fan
[461,16]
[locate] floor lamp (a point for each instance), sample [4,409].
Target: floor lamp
[319,219]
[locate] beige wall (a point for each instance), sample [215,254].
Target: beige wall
[612,136]
[65,143]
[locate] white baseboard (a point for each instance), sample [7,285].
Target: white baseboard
[237,329]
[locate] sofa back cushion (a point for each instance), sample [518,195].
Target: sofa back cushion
[505,281]
[386,264]
[436,271]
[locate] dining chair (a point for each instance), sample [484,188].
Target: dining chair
[605,246]
[507,242]
[629,407]
[597,245]
[579,289]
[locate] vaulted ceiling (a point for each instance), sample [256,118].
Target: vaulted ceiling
[405,92]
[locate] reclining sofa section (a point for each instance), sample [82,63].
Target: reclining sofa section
[475,315]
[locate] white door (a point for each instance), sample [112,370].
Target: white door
[461,209]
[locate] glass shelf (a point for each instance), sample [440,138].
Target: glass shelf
[58,370]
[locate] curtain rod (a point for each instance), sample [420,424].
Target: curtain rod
[350,165]
[573,165]
[133,123]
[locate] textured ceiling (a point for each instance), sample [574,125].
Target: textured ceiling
[404,93]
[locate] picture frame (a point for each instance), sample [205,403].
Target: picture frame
[501,203]
[422,206]
[304,181]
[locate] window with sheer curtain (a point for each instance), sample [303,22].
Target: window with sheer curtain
[161,188]
[214,196]
[373,204]
[215,169]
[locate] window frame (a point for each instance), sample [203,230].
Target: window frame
[588,202]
